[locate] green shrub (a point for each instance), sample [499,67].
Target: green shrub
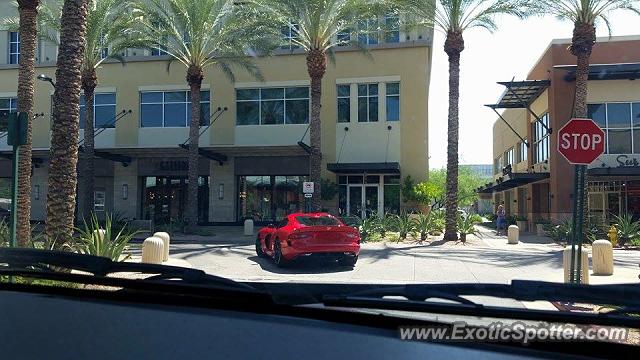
[387,224]
[368,227]
[404,226]
[466,225]
[561,232]
[438,221]
[423,224]
[107,242]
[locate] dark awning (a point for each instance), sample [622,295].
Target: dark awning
[520,94]
[362,168]
[605,71]
[513,181]
[617,171]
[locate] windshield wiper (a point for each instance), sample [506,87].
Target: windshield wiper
[42,264]
[626,298]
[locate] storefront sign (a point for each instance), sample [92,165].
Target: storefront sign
[174,165]
[307,187]
[625,161]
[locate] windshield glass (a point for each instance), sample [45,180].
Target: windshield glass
[318,221]
[431,151]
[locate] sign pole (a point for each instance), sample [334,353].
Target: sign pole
[574,222]
[580,230]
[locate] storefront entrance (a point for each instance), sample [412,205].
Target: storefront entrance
[610,198]
[364,196]
[269,198]
[164,199]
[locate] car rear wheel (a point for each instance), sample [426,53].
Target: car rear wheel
[349,261]
[259,251]
[277,255]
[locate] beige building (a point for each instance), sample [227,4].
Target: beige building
[374,131]
[532,178]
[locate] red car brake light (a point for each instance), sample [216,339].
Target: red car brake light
[299,236]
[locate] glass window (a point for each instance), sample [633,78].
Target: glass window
[367,102]
[104,110]
[392,194]
[318,221]
[621,123]
[392,28]
[172,108]
[508,157]
[289,35]
[522,152]
[618,115]
[269,198]
[393,102]
[541,139]
[272,106]
[619,141]
[598,113]
[99,200]
[344,37]
[368,32]
[14,47]
[636,114]
[344,103]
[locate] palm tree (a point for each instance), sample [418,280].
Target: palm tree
[199,34]
[317,24]
[111,30]
[584,14]
[61,194]
[453,18]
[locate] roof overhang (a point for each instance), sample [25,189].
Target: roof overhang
[511,181]
[614,171]
[365,168]
[624,71]
[520,94]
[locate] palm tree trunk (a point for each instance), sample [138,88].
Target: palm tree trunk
[28,10]
[89,83]
[454,45]
[61,195]
[584,37]
[316,66]
[195,76]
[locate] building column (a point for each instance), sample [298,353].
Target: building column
[222,192]
[127,208]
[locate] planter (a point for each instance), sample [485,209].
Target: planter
[522,225]
[540,230]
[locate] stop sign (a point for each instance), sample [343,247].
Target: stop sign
[581,141]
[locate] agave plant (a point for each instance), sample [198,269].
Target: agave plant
[105,242]
[628,229]
[437,222]
[424,225]
[467,225]
[368,227]
[388,223]
[404,225]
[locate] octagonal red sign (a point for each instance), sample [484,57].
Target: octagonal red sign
[581,141]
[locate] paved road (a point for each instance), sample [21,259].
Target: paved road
[491,260]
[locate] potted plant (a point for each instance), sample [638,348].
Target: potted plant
[521,221]
[541,224]
[467,225]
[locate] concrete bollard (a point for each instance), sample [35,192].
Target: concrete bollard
[513,234]
[602,257]
[584,267]
[248,227]
[152,250]
[166,240]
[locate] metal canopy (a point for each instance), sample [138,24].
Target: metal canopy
[220,158]
[514,180]
[520,94]
[362,168]
[626,71]
[109,156]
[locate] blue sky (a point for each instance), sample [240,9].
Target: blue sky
[488,58]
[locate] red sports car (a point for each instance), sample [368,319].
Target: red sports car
[317,234]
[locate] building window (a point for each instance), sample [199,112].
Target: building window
[498,165]
[9,104]
[621,124]
[14,47]
[368,32]
[268,198]
[392,28]
[104,110]
[522,152]
[393,101]
[344,103]
[99,200]
[344,37]
[508,157]
[272,106]
[541,139]
[289,36]
[171,108]
[367,102]
[392,194]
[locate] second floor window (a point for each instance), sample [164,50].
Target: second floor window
[104,110]
[497,165]
[272,106]
[289,34]
[541,139]
[392,29]
[8,104]
[621,124]
[344,103]
[508,157]
[393,101]
[367,102]
[368,32]
[171,108]
[522,152]
[14,47]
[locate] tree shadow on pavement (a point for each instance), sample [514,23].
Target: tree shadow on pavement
[301,266]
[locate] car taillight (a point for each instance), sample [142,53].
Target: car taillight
[352,235]
[299,236]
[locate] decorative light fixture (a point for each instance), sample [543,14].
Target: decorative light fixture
[36,192]
[221,191]
[125,191]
